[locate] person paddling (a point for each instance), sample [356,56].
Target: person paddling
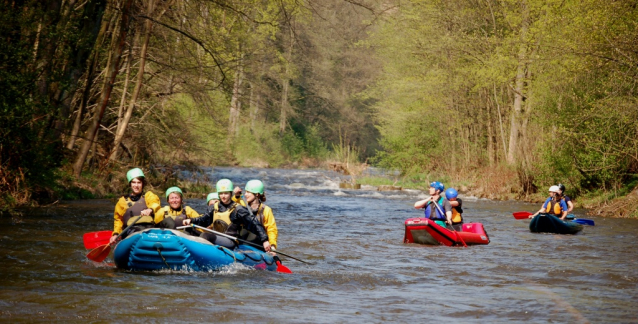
[228,217]
[174,214]
[457,208]
[255,197]
[554,205]
[136,208]
[432,211]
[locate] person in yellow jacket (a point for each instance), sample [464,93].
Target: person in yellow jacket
[136,209]
[255,197]
[175,213]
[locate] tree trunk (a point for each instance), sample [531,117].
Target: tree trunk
[112,71]
[517,112]
[235,103]
[138,84]
[283,119]
[107,21]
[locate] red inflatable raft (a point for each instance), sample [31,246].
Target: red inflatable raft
[426,231]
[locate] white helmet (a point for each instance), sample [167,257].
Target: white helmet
[554,189]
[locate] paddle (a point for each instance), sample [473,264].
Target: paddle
[95,239]
[525,215]
[279,265]
[522,215]
[101,252]
[240,240]
[453,229]
[583,221]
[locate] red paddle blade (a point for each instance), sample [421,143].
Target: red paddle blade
[95,239]
[282,268]
[99,253]
[522,215]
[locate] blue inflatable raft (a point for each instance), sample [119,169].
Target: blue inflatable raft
[156,249]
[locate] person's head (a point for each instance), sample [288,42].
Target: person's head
[451,194]
[174,197]
[212,198]
[561,187]
[136,180]
[255,190]
[554,191]
[224,190]
[436,188]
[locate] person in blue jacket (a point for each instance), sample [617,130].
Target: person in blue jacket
[437,207]
[554,205]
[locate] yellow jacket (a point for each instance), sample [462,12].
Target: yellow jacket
[269,221]
[270,226]
[238,200]
[162,213]
[152,202]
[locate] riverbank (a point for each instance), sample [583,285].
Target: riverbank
[489,183]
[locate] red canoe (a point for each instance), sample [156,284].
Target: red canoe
[426,231]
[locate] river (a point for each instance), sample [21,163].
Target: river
[362,273]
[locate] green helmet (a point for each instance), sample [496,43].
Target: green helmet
[255,186]
[173,189]
[224,185]
[211,196]
[134,173]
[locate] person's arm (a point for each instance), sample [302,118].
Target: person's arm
[448,211]
[241,216]
[543,208]
[270,226]
[204,220]
[422,203]
[563,207]
[570,207]
[159,216]
[191,213]
[118,215]
[153,204]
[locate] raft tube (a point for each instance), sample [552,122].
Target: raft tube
[156,249]
[426,231]
[546,223]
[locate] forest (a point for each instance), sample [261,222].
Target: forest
[503,97]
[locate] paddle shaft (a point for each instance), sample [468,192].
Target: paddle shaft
[239,240]
[452,226]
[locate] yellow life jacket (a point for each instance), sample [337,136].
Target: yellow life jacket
[456,216]
[182,216]
[221,220]
[553,207]
[134,210]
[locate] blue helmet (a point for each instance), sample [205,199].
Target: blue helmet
[451,193]
[438,186]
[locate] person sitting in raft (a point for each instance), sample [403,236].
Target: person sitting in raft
[175,213]
[436,204]
[255,197]
[457,208]
[228,217]
[135,208]
[568,201]
[212,198]
[554,205]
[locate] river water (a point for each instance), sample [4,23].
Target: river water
[362,272]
